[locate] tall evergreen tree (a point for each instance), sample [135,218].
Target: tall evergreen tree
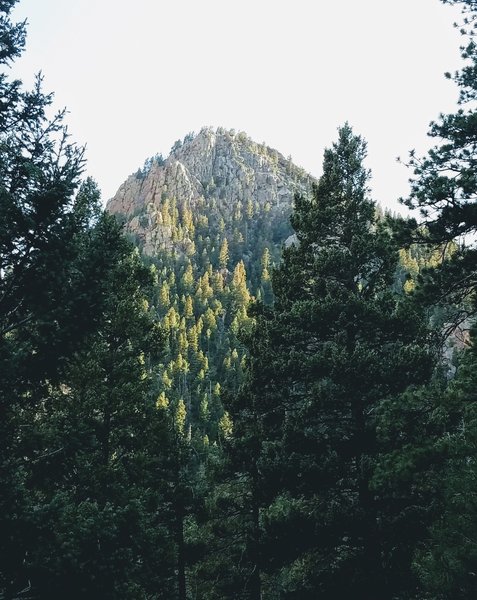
[84,454]
[99,464]
[444,188]
[337,343]
[39,172]
[446,559]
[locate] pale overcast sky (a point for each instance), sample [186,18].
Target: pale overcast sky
[136,76]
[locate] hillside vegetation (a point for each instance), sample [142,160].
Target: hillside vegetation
[236,382]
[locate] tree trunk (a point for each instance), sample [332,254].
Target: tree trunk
[255,579]
[181,576]
[374,587]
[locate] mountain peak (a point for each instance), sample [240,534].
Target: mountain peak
[218,165]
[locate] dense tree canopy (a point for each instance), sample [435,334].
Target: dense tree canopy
[444,187]
[80,484]
[336,345]
[228,419]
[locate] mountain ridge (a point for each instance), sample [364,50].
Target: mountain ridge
[219,164]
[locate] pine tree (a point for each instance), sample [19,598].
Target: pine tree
[81,442]
[103,444]
[446,559]
[39,250]
[224,254]
[444,186]
[336,345]
[444,189]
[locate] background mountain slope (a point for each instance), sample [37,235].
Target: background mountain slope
[211,219]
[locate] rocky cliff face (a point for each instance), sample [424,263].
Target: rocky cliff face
[221,166]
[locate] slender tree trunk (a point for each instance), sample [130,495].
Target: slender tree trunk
[372,565]
[255,578]
[181,576]
[106,434]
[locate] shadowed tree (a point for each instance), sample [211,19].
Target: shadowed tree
[337,343]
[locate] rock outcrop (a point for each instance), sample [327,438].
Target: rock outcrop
[221,165]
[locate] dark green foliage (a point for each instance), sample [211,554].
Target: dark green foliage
[337,345]
[39,172]
[446,563]
[444,186]
[85,456]
[184,429]
[99,460]
[90,453]
[219,567]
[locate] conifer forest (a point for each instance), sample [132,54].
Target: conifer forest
[236,381]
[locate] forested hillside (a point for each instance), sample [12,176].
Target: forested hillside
[236,382]
[211,220]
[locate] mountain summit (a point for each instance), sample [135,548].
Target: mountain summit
[218,171]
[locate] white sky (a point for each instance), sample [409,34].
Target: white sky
[136,76]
